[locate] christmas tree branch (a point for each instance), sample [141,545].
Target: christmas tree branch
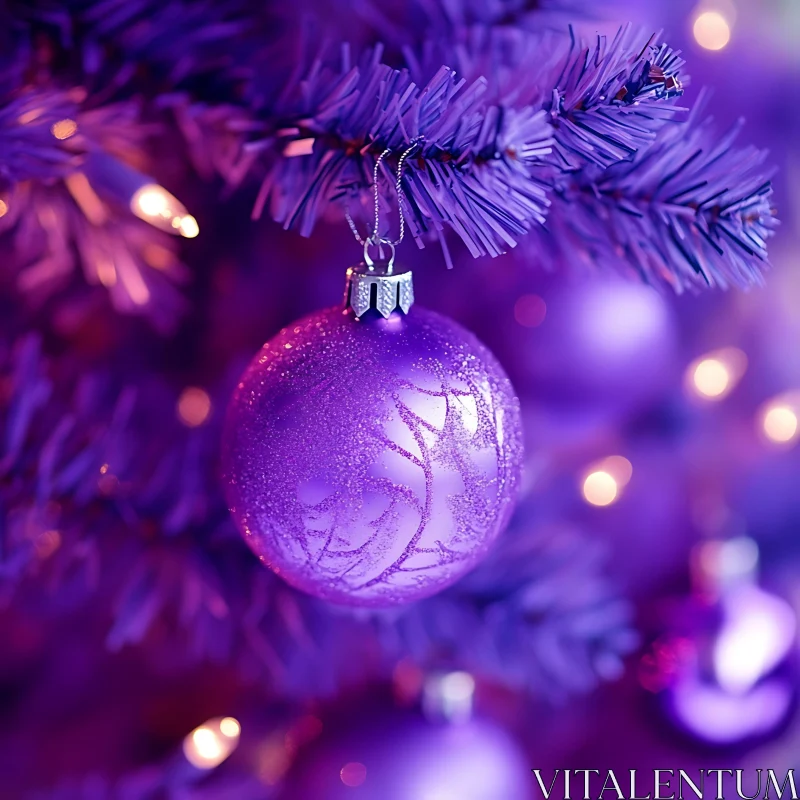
[471,172]
[692,210]
[609,99]
[479,169]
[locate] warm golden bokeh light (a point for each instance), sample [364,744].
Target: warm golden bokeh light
[714,375]
[230,727]
[711,30]
[779,421]
[604,480]
[711,378]
[154,204]
[208,745]
[194,406]
[153,201]
[188,227]
[3,207]
[64,128]
[600,488]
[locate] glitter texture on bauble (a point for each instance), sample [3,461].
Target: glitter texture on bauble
[372,461]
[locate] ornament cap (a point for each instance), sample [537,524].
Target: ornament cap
[393,288]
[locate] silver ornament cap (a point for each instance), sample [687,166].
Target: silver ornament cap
[378,285]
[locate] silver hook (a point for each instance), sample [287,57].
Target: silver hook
[380,245]
[374,238]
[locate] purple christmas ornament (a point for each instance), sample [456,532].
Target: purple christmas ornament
[601,342]
[372,456]
[401,756]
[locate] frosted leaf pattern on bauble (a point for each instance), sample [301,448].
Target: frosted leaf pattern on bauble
[372,462]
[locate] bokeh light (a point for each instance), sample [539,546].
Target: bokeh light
[46,543]
[64,128]
[449,696]
[194,406]
[779,419]
[600,488]
[530,310]
[758,632]
[723,561]
[208,745]
[714,375]
[780,424]
[353,774]
[711,30]
[188,227]
[711,378]
[154,204]
[605,480]
[230,727]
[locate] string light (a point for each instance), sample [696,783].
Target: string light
[230,727]
[194,406]
[154,204]
[711,30]
[714,375]
[779,418]
[208,745]
[605,480]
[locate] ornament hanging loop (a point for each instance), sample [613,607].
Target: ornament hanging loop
[375,239]
[380,244]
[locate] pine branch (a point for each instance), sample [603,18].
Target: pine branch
[692,210]
[58,433]
[605,100]
[479,170]
[472,171]
[609,100]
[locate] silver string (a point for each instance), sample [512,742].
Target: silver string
[375,238]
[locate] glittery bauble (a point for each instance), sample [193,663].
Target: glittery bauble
[372,461]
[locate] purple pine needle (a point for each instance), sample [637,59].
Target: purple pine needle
[693,210]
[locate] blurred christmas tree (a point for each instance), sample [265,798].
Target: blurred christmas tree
[131,610]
